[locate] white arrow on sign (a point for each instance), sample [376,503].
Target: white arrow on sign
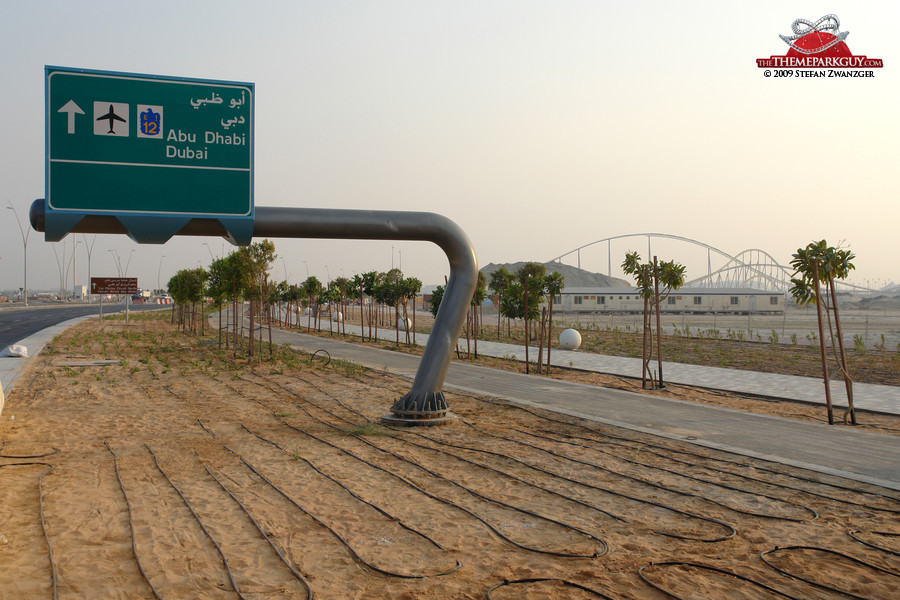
[71,109]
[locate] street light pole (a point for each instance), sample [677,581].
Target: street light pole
[24,250]
[208,249]
[74,265]
[62,267]
[158,271]
[89,248]
[128,263]
[116,261]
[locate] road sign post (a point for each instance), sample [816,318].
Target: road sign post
[152,152]
[154,157]
[114,285]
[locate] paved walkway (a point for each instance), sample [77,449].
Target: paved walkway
[879,398]
[859,455]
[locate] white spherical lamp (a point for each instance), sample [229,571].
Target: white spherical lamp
[569,339]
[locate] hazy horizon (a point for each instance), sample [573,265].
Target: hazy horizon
[537,127]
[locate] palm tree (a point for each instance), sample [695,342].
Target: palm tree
[648,278]
[818,264]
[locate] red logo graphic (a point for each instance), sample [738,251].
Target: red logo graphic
[818,45]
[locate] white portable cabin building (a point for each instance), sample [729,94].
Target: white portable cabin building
[683,300]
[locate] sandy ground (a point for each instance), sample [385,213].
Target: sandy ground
[139,462]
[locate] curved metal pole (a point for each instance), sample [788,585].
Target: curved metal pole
[424,403]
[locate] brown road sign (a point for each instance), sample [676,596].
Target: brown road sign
[114,285]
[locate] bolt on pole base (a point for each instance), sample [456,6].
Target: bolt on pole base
[429,421]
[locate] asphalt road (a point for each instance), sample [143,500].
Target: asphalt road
[18,323]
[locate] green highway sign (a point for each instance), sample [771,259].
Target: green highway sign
[152,151]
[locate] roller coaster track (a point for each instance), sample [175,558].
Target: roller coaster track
[751,268]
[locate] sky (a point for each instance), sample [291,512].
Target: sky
[538,127]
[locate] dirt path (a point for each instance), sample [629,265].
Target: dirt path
[173,468]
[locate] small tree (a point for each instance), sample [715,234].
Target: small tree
[389,292]
[553,287]
[358,283]
[342,287]
[188,288]
[820,264]
[522,298]
[255,261]
[478,296]
[220,287]
[648,278]
[369,281]
[500,280]
[436,297]
[410,288]
[312,288]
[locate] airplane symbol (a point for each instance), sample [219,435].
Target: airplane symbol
[111,116]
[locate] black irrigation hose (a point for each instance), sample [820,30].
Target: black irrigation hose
[313,355]
[749,477]
[450,503]
[259,528]
[814,514]
[732,533]
[21,456]
[296,395]
[764,556]
[134,550]
[659,588]
[206,429]
[44,527]
[519,479]
[321,523]
[359,499]
[209,536]
[723,460]
[564,582]
[871,545]
[605,548]
[728,527]
[53,577]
